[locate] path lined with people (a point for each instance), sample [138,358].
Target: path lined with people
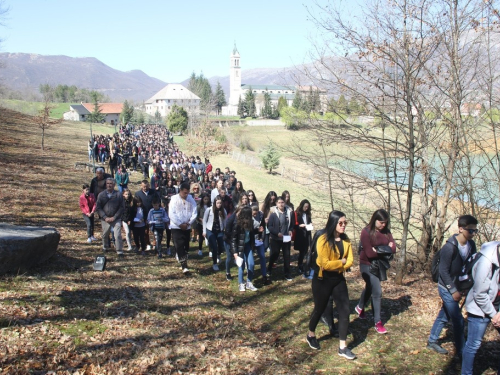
[187,201]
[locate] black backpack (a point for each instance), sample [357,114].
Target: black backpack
[312,255]
[465,280]
[435,264]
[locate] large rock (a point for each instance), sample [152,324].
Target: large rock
[24,247]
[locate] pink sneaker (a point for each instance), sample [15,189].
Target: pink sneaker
[360,312]
[379,327]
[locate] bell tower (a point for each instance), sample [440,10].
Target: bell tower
[234,77]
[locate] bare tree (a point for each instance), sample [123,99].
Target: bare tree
[43,119]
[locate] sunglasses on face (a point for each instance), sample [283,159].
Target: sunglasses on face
[472,231]
[343,223]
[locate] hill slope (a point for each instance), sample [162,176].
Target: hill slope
[25,72]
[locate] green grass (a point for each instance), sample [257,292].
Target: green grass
[32,108]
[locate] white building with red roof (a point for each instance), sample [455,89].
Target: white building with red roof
[80,112]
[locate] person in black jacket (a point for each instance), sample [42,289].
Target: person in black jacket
[453,254]
[280,226]
[242,244]
[126,217]
[303,230]
[146,194]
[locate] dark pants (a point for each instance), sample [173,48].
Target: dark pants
[372,290]
[181,244]
[216,244]
[169,237]
[322,290]
[146,235]
[139,237]
[200,236]
[90,224]
[276,246]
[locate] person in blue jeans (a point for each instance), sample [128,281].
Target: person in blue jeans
[453,254]
[482,302]
[214,220]
[242,244]
[258,231]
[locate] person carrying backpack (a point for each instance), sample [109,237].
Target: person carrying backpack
[482,302]
[457,249]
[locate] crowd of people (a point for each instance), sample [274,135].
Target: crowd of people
[188,201]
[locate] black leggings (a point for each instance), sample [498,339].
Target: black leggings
[322,289]
[372,290]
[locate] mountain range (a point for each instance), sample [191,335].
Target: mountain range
[24,72]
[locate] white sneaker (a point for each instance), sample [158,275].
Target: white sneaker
[218,260]
[129,248]
[200,253]
[185,270]
[250,286]
[210,254]
[215,267]
[89,240]
[93,238]
[148,247]
[242,287]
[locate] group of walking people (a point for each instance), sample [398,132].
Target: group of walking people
[190,201]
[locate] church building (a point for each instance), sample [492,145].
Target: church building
[238,90]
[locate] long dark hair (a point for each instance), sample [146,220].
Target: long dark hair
[300,209]
[216,211]
[200,202]
[284,194]
[380,215]
[245,218]
[331,228]
[254,199]
[266,206]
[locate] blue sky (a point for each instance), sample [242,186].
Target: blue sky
[165,39]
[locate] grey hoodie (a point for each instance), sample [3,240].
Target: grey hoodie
[485,273]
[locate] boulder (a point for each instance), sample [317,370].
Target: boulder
[24,247]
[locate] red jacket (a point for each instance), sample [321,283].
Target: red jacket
[87,204]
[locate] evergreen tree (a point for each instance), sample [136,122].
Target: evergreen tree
[241,108]
[201,87]
[127,112]
[342,104]
[250,108]
[270,157]
[282,103]
[267,109]
[96,115]
[177,119]
[297,101]
[220,98]
[315,101]
[353,106]
[140,117]
[157,116]
[331,105]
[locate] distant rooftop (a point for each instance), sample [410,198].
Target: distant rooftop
[106,108]
[173,91]
[268,87]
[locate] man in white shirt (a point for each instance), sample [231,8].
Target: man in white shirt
[215,191]
[182,213]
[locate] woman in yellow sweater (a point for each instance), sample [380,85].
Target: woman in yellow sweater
[334,258]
